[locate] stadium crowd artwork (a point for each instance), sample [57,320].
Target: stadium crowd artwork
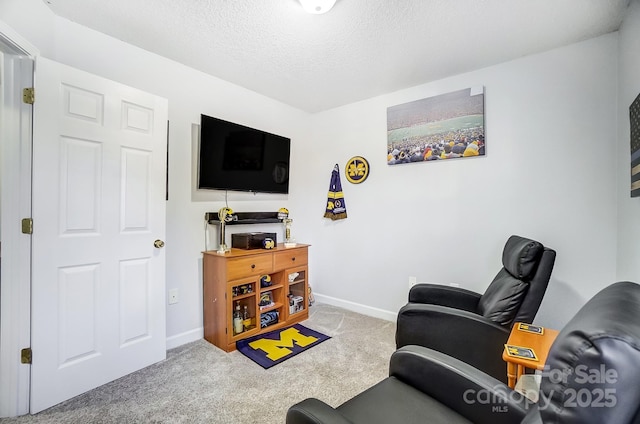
[448,126]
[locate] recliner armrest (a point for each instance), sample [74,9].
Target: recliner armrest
[436,294]
[459,386]
[314,411]
[439,328]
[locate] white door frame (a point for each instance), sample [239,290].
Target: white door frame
[15,176]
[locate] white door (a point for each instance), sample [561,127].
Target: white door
[98,281]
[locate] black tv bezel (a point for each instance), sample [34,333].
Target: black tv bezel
[212,152]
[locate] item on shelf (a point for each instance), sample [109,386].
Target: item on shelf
[269,318]
[288,241]
[251,240]
[293,276]
[283,213]
[224,215]
[242,218]
[265,281]
[266,300]
[246,319]
[296,304]
[243,289]
[237,320]
[268,243]
[311,299]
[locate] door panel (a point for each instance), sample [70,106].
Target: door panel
[98,290]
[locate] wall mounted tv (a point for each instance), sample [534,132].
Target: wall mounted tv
[235,157]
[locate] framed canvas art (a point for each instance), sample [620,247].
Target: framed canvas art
[444,127]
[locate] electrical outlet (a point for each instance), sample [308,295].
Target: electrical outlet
[412,281]
[173,296]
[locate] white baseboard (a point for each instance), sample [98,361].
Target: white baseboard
[357,307]
[184,338]
[198,333]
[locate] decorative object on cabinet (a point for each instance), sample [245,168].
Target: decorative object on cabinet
[447,126]
[268,243]
[237,277]
[266,300]
[265,280]
[242,218]
[296,304]
[252,240]
[336,208]
[277,346]
[357,170]
[283,214]
[225,215]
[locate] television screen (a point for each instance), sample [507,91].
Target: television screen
[236,157]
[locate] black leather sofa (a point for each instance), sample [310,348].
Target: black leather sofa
[593,377]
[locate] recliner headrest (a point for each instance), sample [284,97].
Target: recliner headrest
[521,256]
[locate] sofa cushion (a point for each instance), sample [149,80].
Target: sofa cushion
[502,299]
[521,256]
[392,401]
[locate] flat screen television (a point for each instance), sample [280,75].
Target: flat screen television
[236,157]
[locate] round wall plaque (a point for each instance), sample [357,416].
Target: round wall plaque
[357,170]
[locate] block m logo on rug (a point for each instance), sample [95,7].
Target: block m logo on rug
[279,348]
[274,347]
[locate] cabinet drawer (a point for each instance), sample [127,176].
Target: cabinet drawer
[252,265]
[289,258]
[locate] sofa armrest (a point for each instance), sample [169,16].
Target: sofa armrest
[436,294]
[314,411]
[459,386]
[436,327]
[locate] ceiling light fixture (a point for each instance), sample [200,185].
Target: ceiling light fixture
[317,6]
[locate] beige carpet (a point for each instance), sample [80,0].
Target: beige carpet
[199,383]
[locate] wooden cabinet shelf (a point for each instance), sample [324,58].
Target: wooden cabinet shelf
[233,279]
[242,296]
[271,287]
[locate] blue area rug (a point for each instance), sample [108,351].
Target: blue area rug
[277,346]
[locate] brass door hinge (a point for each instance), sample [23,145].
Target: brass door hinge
[26,355]
[28,95]
[27,226]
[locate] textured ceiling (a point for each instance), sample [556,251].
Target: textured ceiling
[360,49]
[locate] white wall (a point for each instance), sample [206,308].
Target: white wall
[190,93]
[549,174]
[629,89]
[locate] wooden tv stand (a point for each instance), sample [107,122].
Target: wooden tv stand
[234,278]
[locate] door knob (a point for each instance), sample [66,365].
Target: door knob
[158,244]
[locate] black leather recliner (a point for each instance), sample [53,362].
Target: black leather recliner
[592,377]
[474,327]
